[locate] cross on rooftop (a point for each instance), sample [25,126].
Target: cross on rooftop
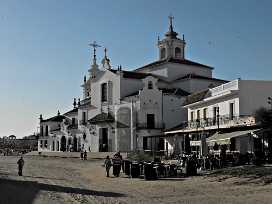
[105,50]
[94,45]
[171,18]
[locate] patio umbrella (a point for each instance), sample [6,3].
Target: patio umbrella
[203,145]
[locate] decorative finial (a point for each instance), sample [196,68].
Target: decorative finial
[78,103]
[74,102]
[58,112]
[183,36]
[105,50]
[85,79]
[158,38]
[41,118]
[94,45]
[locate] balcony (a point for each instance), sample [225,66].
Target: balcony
[82,122]
[223,122]
[73,126]
[150,126]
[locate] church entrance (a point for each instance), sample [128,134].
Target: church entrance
[63,144]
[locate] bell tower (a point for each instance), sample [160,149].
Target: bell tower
[171,46]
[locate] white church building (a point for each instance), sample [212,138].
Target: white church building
[129,110]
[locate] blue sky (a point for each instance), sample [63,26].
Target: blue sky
[45,52]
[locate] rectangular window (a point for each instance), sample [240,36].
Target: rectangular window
[198,114]
[46,130]
[205,113]
[104,92]
[41,143]
[231,111]
[45,143]
[41,131]
[84,118]
[192,116]
[73,121]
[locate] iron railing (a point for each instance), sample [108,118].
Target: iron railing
[226,120]
[150,126]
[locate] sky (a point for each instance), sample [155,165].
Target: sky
[45,52]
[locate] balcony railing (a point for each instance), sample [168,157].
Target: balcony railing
[73,126]
[150,126]
[224,120]
[82,122]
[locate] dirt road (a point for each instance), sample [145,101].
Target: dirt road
[70,180]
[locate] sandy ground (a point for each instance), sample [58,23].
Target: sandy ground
[71,180]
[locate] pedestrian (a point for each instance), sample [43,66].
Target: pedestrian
[85,155]
[81,154]
[117,161]
[107,164]
[20,163]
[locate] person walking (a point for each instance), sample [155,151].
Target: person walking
[117,161]
[20,163]
[107,164]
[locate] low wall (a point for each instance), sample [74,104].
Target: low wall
[90,155]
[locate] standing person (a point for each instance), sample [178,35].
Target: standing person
[20,163]
[85,155]
[117,161]
[107,164]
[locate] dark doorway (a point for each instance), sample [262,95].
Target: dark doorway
[144,143]
[63,144]
[53,146]
[75,144]
[103,142]
[161,144]
[150,121]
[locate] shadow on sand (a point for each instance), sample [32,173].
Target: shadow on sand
[12,191]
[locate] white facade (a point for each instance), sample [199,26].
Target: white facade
[129,110]
[230,105]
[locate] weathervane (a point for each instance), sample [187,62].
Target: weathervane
[94,45]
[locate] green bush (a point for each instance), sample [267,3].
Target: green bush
[139,157]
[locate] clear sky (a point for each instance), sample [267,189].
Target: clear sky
[45,52]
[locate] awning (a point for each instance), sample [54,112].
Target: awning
[102,118]
[224,138]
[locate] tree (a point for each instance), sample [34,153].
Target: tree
[263,116]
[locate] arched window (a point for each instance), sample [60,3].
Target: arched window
[150,85]
[178,53]
[163,53]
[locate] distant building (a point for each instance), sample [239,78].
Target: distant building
[29,142]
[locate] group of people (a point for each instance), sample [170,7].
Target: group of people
[83,155]
[115,162]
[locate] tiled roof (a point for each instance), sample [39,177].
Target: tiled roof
[195,76]
[195,97]
[175,91]
[102,118]
[132,75]
[132,94]
[75,110]
[172,60]
[58,118]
